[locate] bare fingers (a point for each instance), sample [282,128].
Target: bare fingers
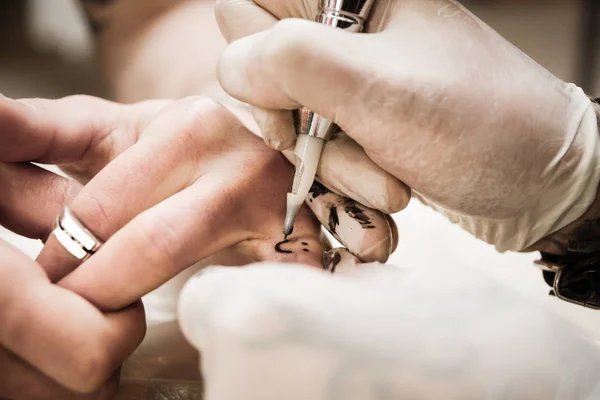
[58,332]
[31,198]
[20,380]
[163,162]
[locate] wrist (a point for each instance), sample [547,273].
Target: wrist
[557,243]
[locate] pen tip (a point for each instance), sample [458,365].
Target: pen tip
[285,237]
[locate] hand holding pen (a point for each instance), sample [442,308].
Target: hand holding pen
[438,101]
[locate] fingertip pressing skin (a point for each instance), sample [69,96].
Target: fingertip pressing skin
[365,232]
[235,83]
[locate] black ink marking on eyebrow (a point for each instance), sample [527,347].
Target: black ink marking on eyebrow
[306,250]
[304,243]
[357,213]
[280,250]
[334,220]
[317,190]
[330,262]
[336,260]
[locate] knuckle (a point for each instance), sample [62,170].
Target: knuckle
[205,128]
[205,119]
[200,105]
[77,98]
[288,43]
[157,242]
[93,212]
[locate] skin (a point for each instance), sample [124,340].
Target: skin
[91,138]
[111,151]
[43,359]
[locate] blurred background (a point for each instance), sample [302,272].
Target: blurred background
[46,50]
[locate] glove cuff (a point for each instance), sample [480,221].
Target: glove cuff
[572,179]
[574,187]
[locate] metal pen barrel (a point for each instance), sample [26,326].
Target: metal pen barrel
[312,129]
[349,15]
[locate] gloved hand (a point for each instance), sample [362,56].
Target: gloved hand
[379,332]
[437,99]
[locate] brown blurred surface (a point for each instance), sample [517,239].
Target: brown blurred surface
[33,68]
[164,367]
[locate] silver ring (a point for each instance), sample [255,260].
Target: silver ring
[75,237]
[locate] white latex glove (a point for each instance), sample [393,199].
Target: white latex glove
[273,331]
[437,99]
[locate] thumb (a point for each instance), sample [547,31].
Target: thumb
[296,63]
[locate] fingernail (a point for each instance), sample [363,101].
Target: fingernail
[273,143]
[278,144]
[277,127]
[232,69]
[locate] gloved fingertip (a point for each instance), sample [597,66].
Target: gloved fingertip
[397,196]
[231,69]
